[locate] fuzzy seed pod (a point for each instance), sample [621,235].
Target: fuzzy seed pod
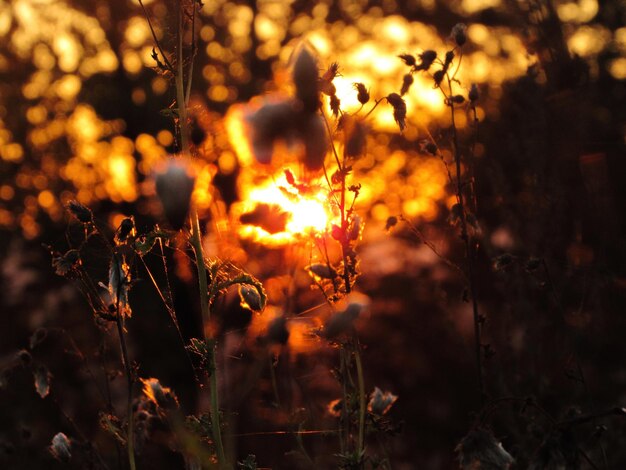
[174,187]
[305,78]
[438,77]
[459,34]
[61,447]
[315,141]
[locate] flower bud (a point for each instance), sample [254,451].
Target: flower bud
[61,447]
[81,212]
[459,34]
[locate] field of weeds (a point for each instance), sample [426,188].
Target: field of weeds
[313,235]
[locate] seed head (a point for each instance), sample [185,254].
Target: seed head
[391,222]
[459,34]
[473,94]
[408,59]
[399,109]
[81,212]
[407,81]
[362,94]
[426,60]
[305,78]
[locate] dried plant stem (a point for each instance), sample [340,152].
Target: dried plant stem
[361,385]
[469,255]
[196,242]
[130,434]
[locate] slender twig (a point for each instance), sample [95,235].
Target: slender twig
[469,255]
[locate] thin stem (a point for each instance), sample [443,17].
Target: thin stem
[468,248]
[361,384]
[130,437]
[196,242]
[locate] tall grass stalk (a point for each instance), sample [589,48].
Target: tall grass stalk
[196,242]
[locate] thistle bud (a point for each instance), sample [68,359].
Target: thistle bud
[438,77]
[391,222]
[473,94]
[82,213]
[459,34]
[174,187]
[126,229]
[407,81]
[362,94]
[426,60]
[408,59]
[399,109]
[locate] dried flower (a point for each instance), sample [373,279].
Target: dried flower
[408,59]
[459,34]
[174,187]
[380,403]
[407,81]
[159,395]
[61,447]
[306,81]
[362,94]
[399,109]
[81,212]
[480,450]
